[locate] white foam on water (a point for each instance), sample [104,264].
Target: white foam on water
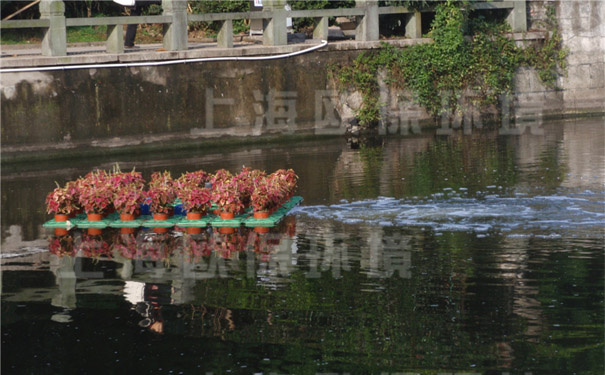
[519,212]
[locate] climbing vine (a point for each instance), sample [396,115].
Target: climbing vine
[439,73]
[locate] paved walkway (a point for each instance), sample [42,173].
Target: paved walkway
[20,56]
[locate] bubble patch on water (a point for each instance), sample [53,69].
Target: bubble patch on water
[548,214]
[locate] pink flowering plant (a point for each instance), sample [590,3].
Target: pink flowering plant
[266,195]
[62,200]
[131,178]
[96,199]
[127,199]
[196,199]
[220,176]
[287,180]
[197,178]
[226,196]
[161,193]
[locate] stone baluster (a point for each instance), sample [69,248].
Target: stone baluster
[274,29]
[517,18]
[54,42]
[175,33]
[367,25]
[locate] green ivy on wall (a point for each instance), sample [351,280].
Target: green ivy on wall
[439,73]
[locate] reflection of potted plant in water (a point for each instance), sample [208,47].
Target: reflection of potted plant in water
[94,246]
[61,245]
[126,244]
[63,201]
[196,246]
[127,201]
[226,196]
[158,246]
[227,244]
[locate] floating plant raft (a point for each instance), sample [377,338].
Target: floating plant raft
[113,220]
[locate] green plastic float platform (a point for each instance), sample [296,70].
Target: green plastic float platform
[113,220]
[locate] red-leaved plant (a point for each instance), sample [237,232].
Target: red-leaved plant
[62,200]
[96,199]
[286,180]
[197,178]
[127,199]
[268,195]
[195,199]
[131,178]
[226,196]
[220,176]
[161,193]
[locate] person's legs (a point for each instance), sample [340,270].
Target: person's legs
[131,30]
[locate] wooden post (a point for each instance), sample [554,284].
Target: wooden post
[175,33]
[54,42]
[367,25]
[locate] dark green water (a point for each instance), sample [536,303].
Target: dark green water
[478,254]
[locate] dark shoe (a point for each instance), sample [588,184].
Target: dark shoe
[131,47]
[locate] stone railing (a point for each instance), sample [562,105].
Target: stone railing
[175,20]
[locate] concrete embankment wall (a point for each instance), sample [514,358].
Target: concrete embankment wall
[68,112]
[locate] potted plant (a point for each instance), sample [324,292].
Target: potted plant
[95,200]
[197,178]
[245,180]
[62,201]
[127,201]
[262,198]
[220,176]
[196,201]
[161,195]
[226,196]
[287,180]
[132,178]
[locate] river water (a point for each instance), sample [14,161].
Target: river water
[475,254]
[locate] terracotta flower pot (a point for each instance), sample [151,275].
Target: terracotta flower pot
[160,230]
[94,217]
[261,214]
[127,230]
[60,231]
[94,231]
[160,217]
[126,217]
[61,217]
[194,216]
[227,215]
[261,229]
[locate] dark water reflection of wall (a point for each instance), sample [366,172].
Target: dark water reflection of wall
[404,167]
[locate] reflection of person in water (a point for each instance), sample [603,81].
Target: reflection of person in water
[155,296]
